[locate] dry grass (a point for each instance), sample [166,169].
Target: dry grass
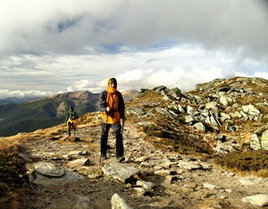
[176,137]
[12,178]
[13,200]
[253,162]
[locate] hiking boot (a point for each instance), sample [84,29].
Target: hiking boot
[104,157]
[120,159]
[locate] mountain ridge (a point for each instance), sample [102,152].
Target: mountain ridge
[44,112]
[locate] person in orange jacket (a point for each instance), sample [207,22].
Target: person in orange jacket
[112,108]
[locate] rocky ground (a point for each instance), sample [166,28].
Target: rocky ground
[180,181]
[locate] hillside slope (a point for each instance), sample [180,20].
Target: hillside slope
[45,112]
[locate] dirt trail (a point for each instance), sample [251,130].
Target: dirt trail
[223,189]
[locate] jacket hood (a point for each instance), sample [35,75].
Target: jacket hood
[109,88]
[111,80]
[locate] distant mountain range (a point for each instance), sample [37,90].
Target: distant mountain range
[41,113]
[16,100]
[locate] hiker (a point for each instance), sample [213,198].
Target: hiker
[112,108]
[71,119]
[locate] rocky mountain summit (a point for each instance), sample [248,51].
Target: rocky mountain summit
[178,152]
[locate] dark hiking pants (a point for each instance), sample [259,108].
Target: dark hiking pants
[118,136]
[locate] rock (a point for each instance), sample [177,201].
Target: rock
[175,92]
[223,147]
[264,140]
[255,143]
[178,107]
[189,165]
[189,119]
[229,127]
[120,171]
[49,169]
[136,111]
[145,184]
[25,157]
[212,106]
[210,186]
[200,126]
[246,182]
[160,88]
[224,100]
[78,163]
[118,202]
[190,110]
[259,200]
[162,111]
[67,178]
[212,119]
[236,114]
[251,110]
[142,159]
[261,129]
[206,166]
[145,165]
[140,191]
[162,172]
[224,117]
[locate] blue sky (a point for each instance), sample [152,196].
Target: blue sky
[55,46]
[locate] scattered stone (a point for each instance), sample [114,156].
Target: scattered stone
[145,184]
[259,200]
[78,163]
[67,178]
[189,165]
[25,157]
[255,143]
[120,171]
[49,169]
[264,140]
[118,202]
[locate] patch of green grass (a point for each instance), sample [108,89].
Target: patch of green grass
[264,120]
[249,161]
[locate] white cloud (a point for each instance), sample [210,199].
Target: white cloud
[261,75]
[68,45]
[4,93]
[70,26]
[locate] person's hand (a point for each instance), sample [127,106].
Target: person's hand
[107,109]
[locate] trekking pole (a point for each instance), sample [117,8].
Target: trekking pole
[122,128]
